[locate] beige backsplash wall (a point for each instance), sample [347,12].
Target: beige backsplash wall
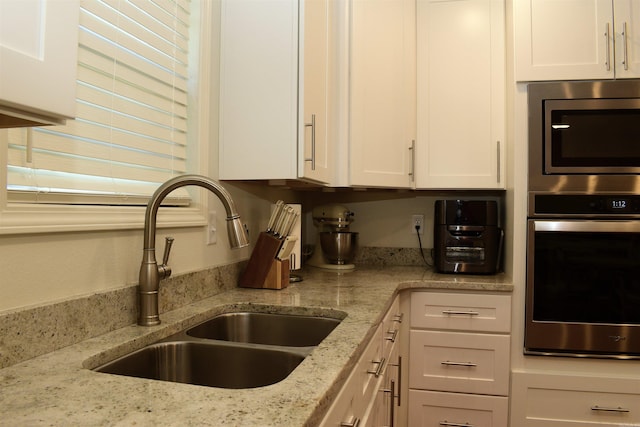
[383,217]
[43,268]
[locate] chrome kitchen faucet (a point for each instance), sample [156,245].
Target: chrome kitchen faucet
[150,272]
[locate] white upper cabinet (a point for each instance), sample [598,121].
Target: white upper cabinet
[576,39]
[382,93]
[38,60]
[271,92]
[627,38]
[316,160]
[461,94]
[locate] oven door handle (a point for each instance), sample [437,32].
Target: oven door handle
[600,226]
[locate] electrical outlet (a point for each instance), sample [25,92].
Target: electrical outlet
[212,237]
[417,220]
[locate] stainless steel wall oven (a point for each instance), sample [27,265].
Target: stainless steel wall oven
[583,247]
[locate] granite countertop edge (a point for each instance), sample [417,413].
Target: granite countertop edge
[58,388]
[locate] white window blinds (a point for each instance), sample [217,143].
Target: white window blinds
[130,133]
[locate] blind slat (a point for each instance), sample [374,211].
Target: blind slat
[59,162]
[92,70]
[167,122]
[128,36]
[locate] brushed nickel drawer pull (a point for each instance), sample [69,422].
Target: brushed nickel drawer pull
[460,312]
[609,409]
[393,334]
[468,364]
[379,368]
[355,422]
[448,424]
[398,317]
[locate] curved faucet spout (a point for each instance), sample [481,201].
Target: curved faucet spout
[150,272]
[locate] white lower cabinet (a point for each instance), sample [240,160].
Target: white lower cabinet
[459,359]
[436,409]
[556,400]
[370,396]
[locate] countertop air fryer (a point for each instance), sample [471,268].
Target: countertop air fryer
[467,238]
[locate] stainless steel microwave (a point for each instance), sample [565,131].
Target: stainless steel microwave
[584,136]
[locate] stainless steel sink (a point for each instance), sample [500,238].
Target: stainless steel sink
[266,328]
[232,350]
[208,364]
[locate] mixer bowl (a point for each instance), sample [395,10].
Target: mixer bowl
[339,247]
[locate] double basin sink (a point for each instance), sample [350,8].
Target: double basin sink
[232,350]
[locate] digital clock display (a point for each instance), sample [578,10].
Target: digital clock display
[619,204]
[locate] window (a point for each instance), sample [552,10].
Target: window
[130,133]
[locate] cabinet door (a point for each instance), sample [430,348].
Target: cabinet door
[627,38]
[461,94]
[38,60]
[382,93]
[258,134]
[563,39]
[315,159]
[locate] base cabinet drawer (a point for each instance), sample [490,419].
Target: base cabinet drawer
[459,362]
[548,400]
[437,409]
[462,312]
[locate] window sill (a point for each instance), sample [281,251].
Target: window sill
[29,219]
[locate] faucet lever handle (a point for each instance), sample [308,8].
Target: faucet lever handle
[167,250]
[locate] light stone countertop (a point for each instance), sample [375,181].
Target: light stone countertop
[57,389]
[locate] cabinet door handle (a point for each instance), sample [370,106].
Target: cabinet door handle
[448,424]
[399,365]
[467,364]
[393,334]
[398,317]
[355,422]
[313,142]
[379,367]
[609,409]
[460,312]
[498,171]
[608,49]
[392,391]
[625,57]
[412,151]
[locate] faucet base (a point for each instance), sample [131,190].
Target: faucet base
[148,309]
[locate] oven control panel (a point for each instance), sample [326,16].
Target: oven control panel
[584,204]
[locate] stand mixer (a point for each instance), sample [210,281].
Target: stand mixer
[335,244]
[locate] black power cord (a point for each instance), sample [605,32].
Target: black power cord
[420,245]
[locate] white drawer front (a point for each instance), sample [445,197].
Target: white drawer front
[457,311]
[434,409]
[461,362]
[560,400]
[391,327]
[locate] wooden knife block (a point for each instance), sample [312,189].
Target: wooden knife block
[264,271]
